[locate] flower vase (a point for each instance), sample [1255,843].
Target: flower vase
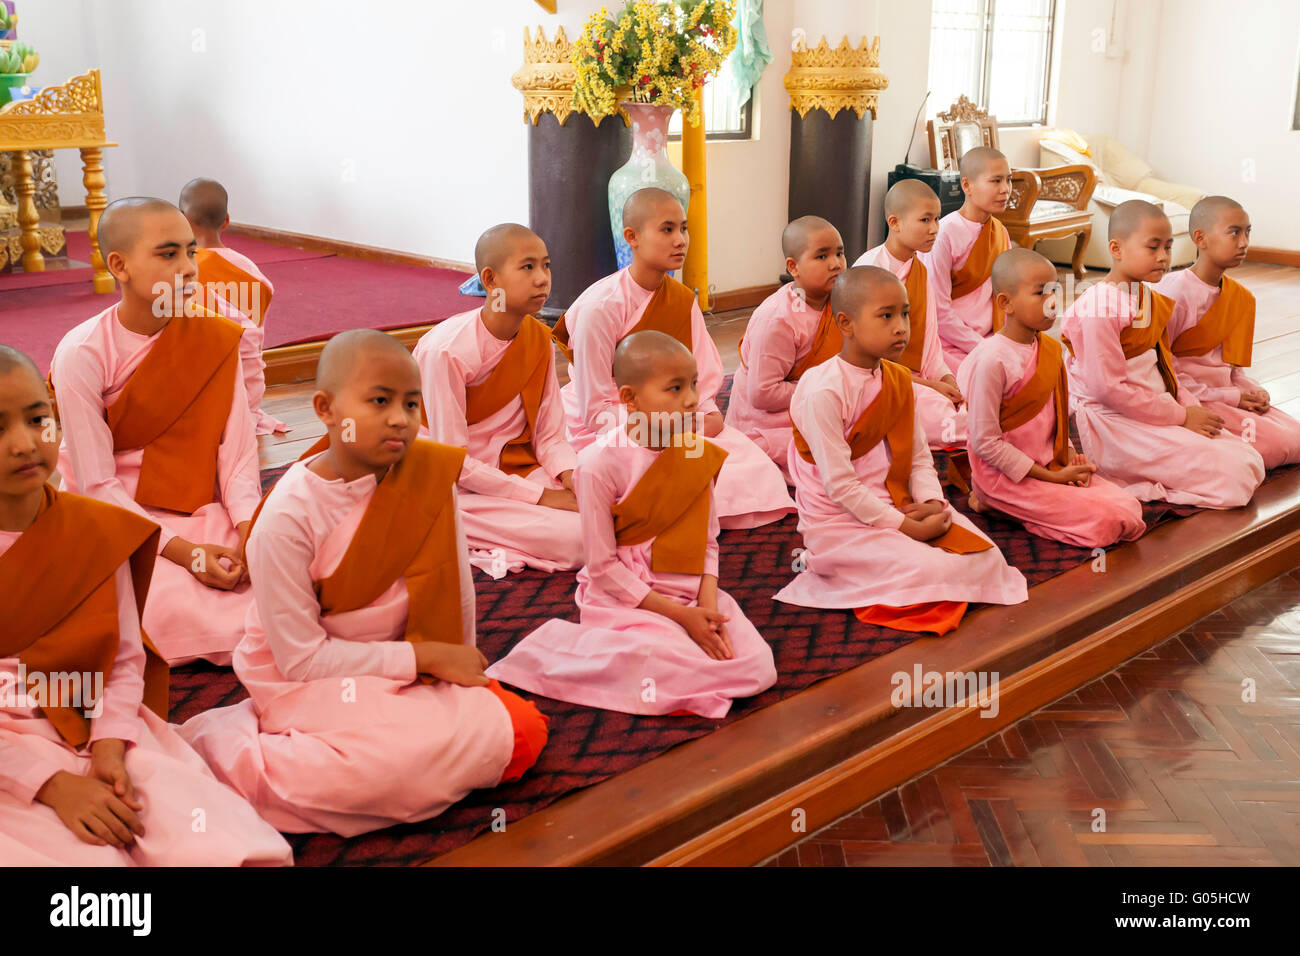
[647,166]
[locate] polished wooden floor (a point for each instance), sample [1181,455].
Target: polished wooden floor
[1277,357]
[1161,762]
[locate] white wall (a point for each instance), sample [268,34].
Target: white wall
[416,142]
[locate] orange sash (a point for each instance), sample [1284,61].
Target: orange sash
[992,241]
[220,276]
[890,417]
[1138,336]
[521,373]
[916,302]
[827,342]
[669,310]
[670,504]
[1229,321]
[59,598]
[1047,382]
[175,407]
[408,531]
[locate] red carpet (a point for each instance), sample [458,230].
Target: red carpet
[316,295]
[588,745]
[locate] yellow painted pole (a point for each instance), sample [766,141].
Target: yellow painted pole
[695,271]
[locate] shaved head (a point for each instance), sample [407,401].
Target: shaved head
[640,354]
[905,194]
[203,201]
[645,204]
[1205,214]
[1012,266]
[11,358]
[119,224]
[975,162]
[859,285]
[339,357]
[495,245]
[1129,216]
[796,236]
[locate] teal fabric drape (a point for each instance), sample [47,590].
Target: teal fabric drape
[745,65]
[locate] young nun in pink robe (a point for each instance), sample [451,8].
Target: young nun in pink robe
[1139,428]
[751,491]
[496,367]
[656,635]
[961,262]
[867,544]
[346,729]
[1022,463]
[235,288]
[1212,332]
[164,367]
[790,332]
[94,777]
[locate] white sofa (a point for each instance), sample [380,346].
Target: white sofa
[1121,175]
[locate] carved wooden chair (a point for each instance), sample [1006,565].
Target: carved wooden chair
[1044,204]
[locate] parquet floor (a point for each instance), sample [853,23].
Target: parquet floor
[1165,761]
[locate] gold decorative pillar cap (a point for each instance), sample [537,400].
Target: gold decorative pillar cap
[835,79]
[546,79]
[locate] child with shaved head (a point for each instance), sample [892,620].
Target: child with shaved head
[1022,462]
[655,635]
[368,703]
[878,535]
[643,297]
[233,287]
[791,331]
[961,263]
[489,384]
[91,774]
[1212,333]
[155,420]
[1137,423]
[912,214]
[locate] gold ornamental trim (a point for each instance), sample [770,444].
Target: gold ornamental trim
[71,114]
[546,79]
[835,78]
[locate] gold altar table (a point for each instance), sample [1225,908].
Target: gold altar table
[70,116]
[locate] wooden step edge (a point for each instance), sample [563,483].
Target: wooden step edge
[288,364]
[765,830]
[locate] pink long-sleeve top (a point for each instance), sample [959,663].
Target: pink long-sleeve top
[1206,377]
[607,471]
[1098,371]
[779,333]
[459,352]
[91,366]
[933,364]
[597,320]
[827,403]
[23,771]
[996,369]
[301,536]
[963,323]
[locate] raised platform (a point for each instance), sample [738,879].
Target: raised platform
[751,788]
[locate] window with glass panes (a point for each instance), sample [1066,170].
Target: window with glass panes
[723,115]
[996,52]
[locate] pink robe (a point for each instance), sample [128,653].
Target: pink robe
[338,735]
[185,619]
[944,423]
[750,489]
[1129,424]
[506,528]
[854,555]
[1096,515]
[250,345]
[963,322]
[621,657]
[169,778]
[1217,385]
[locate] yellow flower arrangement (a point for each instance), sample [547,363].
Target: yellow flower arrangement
[652,52]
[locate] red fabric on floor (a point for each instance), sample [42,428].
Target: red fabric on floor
[934,617]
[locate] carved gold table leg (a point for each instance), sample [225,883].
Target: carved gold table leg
[92,162]
[28,218]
